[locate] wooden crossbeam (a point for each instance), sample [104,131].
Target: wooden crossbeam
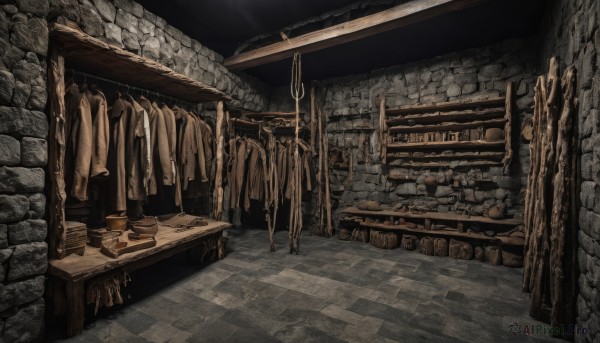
[393,18]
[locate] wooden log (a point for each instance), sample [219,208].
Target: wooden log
[56,158]
[320,175]
[543,209]
[220,138]
[534,166]
[384,240]
[409,242]
[426,246]
[382,130]
[460,250]
[562,195]
[75,307]
[493,255]
[508,127]
[441,247]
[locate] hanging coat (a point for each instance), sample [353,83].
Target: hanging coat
[171,130]
[100,135]
[136,161]
[78,142]
[117,182]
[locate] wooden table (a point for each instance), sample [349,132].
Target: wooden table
[75,270]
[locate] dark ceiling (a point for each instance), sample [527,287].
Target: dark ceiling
[223,24]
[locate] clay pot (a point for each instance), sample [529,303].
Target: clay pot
[116,222]
[496,211]
[493,134]
[430,181]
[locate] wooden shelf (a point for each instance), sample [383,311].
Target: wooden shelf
[447,126]
[447,145]
[447,233]
[438,117]
[446,106]
[262,115]
[434,215]
[92,55]
[442,156]
[462,164]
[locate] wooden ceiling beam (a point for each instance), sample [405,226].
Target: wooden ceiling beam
[390,19]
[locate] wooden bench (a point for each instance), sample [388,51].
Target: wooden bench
[71,273]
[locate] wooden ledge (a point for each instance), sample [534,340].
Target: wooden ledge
[89,54]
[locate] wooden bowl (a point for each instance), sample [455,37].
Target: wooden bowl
[116,223]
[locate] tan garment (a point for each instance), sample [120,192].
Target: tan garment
[208,143]
[100,134]
[78,142]
[159,146]
[135,154]
[171,130]
[117,182]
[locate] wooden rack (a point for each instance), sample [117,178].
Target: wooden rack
[441,217]
[451,117]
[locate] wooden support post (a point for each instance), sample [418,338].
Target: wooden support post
[75,307]
[508,127]
[56,156]
[218,192]
[382,130]
[312,116]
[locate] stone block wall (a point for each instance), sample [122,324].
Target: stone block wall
[466,75]
[571,31]
[23,157]
[128,25]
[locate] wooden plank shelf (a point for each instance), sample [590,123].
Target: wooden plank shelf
[447,106]
[454,156]
[450,165]
[434,216]
[90,54]
[447,233]
[447,145]
[438,117]
[447,126]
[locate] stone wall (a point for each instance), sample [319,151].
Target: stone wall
[471,74]
[571,31]
[126,24]
[23,156]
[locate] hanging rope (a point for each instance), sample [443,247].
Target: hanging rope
[295,227]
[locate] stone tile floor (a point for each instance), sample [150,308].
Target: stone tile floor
[334,291]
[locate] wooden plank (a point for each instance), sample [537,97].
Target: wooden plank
[448,106]
[434,216]
[454,156]
[462,164]
[56,155]
[75,307]
[218,195]
[447,126]
[383,131]
[508,126]
[92,55]
[447,145]
[393,18]
[446,233]
[80,268]
[450,116]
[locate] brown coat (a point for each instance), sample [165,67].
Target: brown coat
[171,130]
[117,182]
[100,134]
[159,145]
[135,156]
[78,142]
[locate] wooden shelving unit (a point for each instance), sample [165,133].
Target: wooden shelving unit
[433,216]
[479,145]
[447,234]
[456,126]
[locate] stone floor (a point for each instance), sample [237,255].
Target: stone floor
[334,291]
